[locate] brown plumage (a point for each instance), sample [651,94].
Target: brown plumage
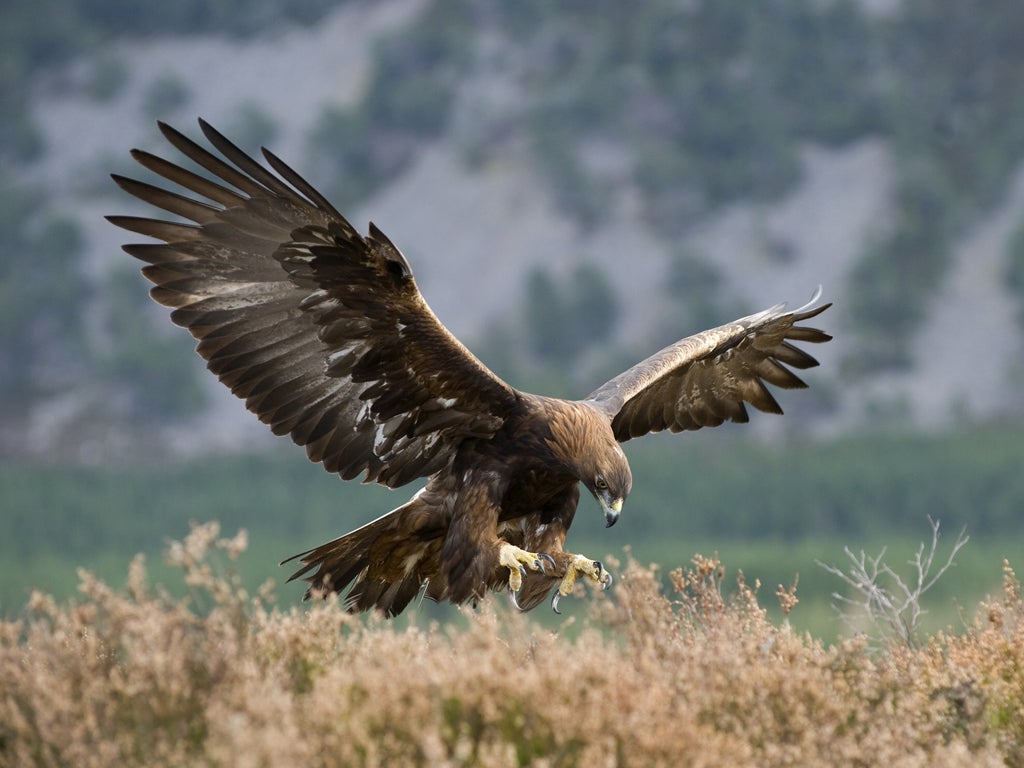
[325,335]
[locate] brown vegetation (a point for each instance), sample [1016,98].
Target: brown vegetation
[679,676]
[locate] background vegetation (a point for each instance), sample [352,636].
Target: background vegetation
[708,103]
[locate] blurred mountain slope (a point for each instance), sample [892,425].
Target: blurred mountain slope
[697,162]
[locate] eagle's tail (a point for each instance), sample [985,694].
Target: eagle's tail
[386,561]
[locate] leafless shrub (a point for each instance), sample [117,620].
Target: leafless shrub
[891,604]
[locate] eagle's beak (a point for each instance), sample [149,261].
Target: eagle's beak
[612,508]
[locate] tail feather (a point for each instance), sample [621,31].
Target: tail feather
[392,598]
[386,562]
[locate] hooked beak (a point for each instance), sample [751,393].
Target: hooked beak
[612,508]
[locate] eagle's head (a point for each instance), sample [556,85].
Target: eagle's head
[608,477]
[581,438]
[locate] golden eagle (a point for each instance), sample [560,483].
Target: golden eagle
[325,335]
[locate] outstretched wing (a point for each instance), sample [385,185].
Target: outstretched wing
[321,331]
[705,379]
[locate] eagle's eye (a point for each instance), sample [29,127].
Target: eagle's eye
[600,483]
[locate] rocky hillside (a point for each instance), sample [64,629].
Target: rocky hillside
[485,199]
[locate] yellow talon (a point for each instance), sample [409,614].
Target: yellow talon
[517,561]
[580,566]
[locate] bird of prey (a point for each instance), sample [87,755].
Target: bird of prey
[324,334]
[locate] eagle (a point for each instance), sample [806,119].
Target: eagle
[324,334]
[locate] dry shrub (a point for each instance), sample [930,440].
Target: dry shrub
[684,675]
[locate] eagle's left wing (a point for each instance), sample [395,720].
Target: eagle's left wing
[705,379]
[322,331]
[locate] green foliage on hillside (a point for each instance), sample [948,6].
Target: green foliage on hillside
[41,300]
[357,150]
[139,360]
[565,319]
[851,487]
[41,35]
[46,312]
[711,98]
[709,103]
[1015,271]
[900,271]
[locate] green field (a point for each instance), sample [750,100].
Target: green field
[770,511]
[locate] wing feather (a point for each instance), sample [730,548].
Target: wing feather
[172,202]
[191,181]
[705,379]
[322,331]
[225,172]
[168,231]
[293,178]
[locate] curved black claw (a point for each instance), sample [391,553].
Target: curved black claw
[604,578]
[515,600]
[581,566]
[541,556]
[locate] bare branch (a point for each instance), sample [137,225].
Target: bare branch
[885,598]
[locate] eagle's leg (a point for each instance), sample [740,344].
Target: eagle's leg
[580,565]
[517,560]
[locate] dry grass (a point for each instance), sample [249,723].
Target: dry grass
[685,676]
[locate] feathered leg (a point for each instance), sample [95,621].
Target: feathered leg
[545,532]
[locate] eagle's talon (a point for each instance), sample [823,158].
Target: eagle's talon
[580,566]
[541,556]
[517,561]
[602,577]
[515,600]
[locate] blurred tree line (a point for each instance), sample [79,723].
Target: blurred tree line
[708,101]
[712,487]
[124,369]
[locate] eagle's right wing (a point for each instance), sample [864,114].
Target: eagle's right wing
[323,332]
